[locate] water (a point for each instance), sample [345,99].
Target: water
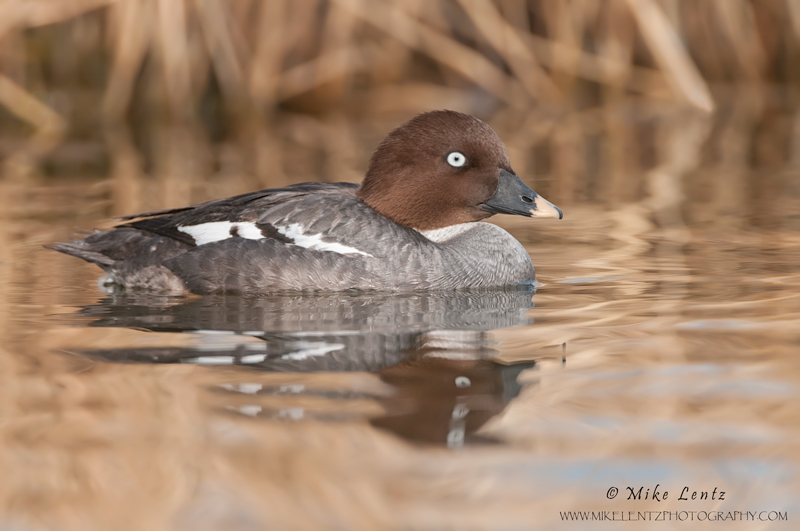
[660,351]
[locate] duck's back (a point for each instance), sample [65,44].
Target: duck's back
[223,245]
[310,236]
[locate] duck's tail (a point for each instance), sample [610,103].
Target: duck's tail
[84,251]
[131,257]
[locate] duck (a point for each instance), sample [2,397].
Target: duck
[414,223]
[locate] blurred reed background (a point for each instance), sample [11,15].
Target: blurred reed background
[181,100]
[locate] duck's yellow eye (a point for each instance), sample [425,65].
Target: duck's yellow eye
[456,159]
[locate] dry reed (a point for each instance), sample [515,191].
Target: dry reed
[231,67]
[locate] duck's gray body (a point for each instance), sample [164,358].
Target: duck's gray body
[311,236]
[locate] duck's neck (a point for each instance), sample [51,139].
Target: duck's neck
[411,208]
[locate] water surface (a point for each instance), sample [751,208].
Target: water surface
[661,348]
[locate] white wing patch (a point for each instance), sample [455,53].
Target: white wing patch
[215,231]
[314,241]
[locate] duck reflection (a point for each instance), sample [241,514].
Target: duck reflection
[431,348]
[442,400]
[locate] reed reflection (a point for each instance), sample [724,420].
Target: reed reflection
[430,348]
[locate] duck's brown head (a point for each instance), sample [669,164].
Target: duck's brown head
[443,168]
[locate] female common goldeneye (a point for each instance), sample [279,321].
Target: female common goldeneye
[410,225]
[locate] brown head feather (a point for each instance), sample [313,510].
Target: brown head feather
[410,181]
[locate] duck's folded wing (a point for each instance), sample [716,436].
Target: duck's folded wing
[308,236]
[242,215]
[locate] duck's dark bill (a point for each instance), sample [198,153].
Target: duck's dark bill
[516,198]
